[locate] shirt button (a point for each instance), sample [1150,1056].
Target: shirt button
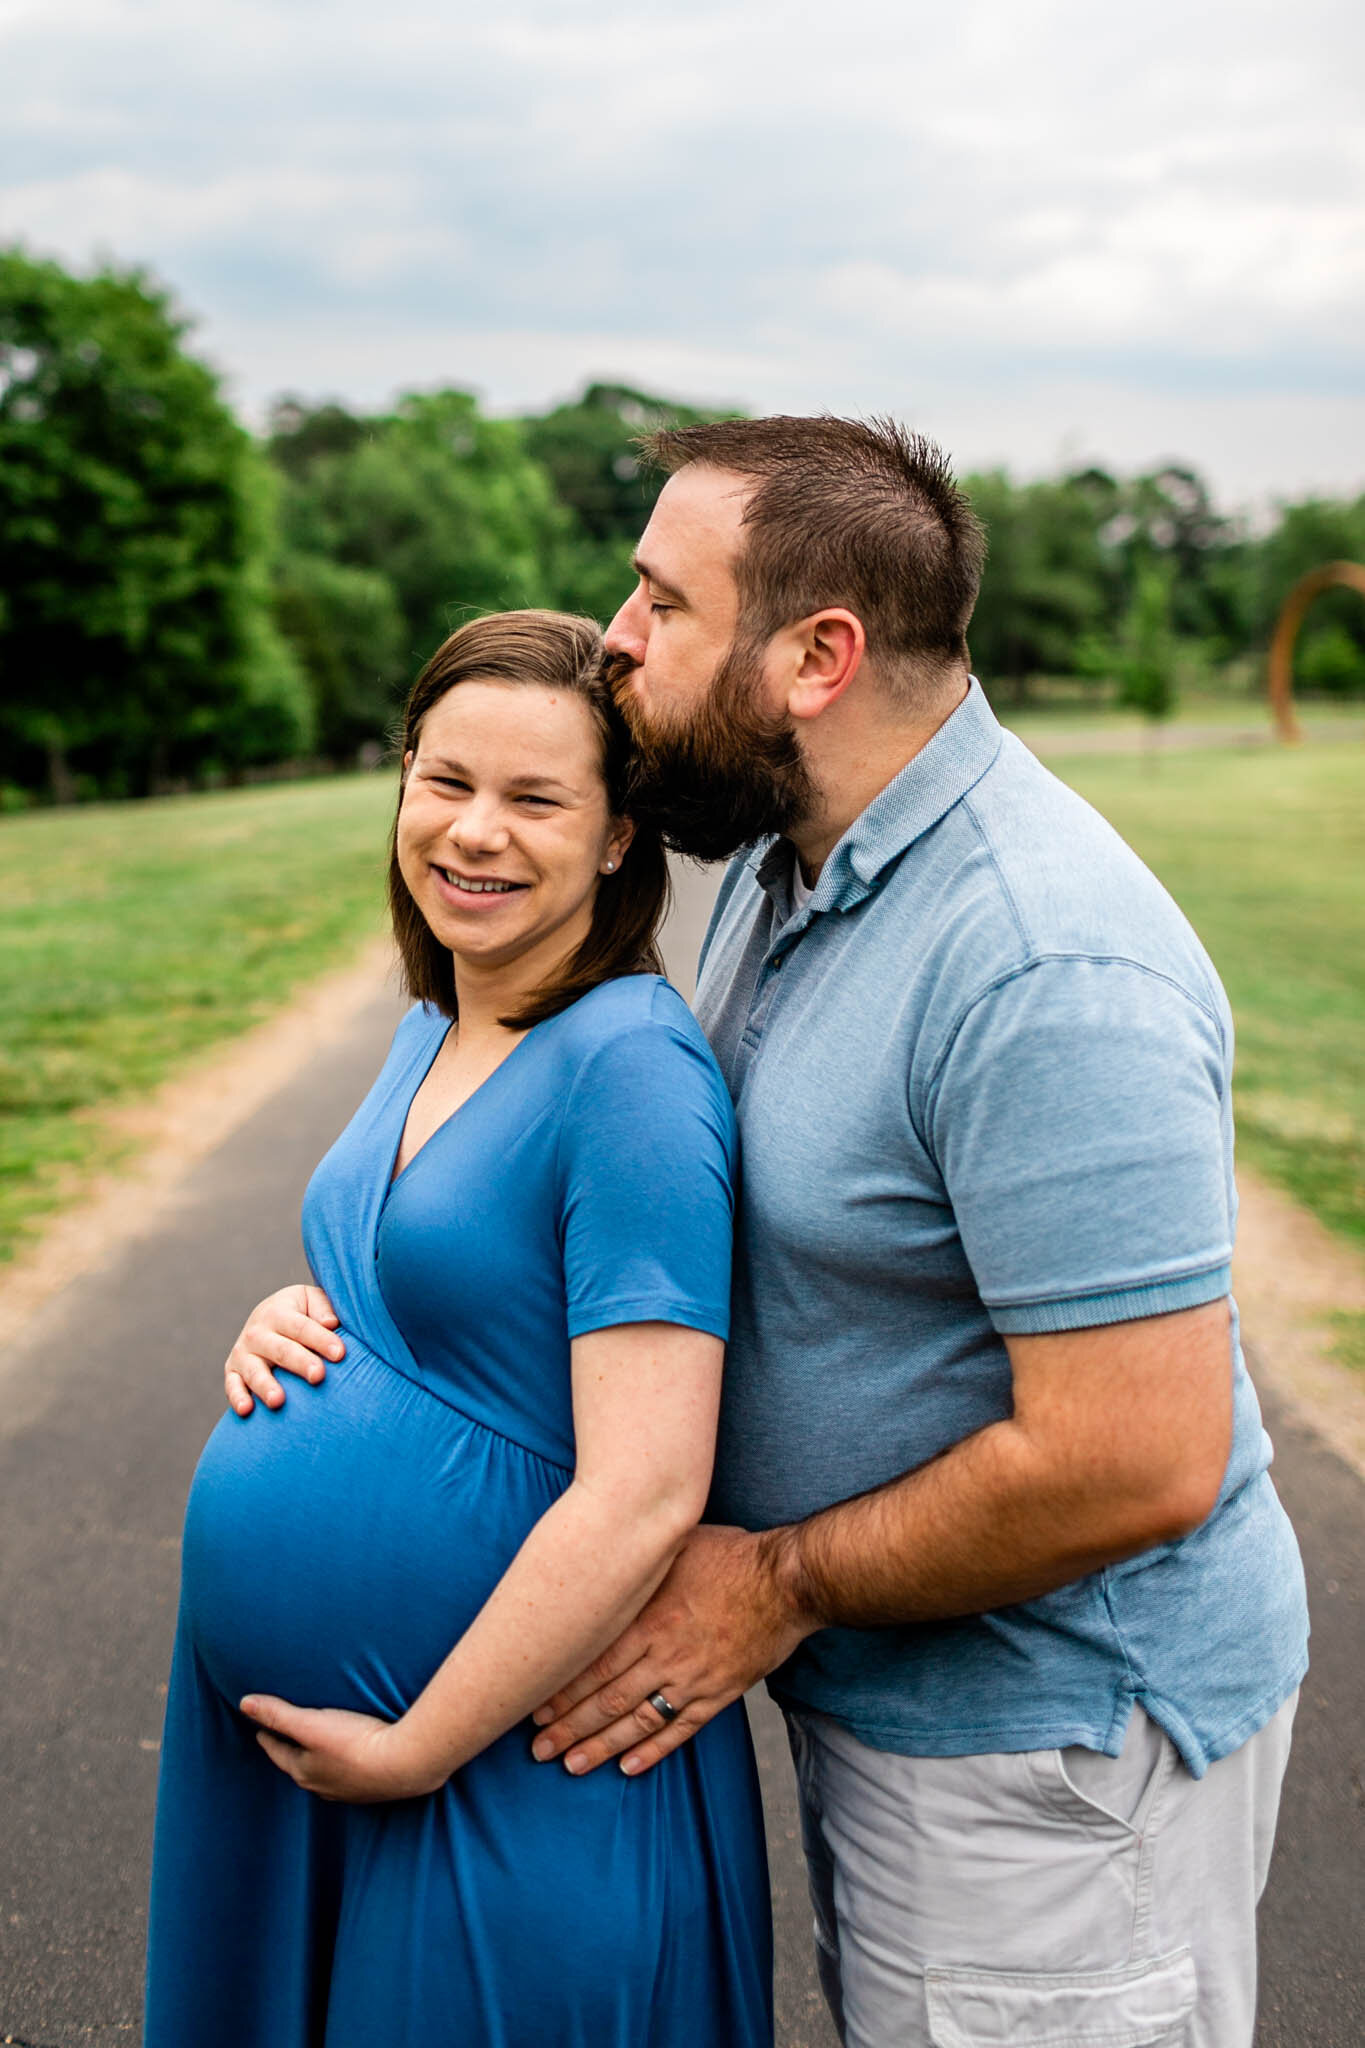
[777,959]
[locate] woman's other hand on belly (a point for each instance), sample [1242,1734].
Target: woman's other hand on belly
[356,1758]
[293,1330]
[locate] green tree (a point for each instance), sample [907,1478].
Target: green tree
[1167,516]
[300,433]
[590,450]
[1047,593]
[1146,664]
[1308,534]
[448,507]
[134,530]
[347,630]
[1327,659]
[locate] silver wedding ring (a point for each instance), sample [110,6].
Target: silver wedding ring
[662,1706]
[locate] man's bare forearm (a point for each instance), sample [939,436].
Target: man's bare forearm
[978,1528]
[1029,1503]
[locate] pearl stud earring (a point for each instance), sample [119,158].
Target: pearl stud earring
[611,867]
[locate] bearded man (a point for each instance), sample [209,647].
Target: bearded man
[991,1511]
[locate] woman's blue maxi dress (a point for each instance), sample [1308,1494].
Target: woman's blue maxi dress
[335,1550]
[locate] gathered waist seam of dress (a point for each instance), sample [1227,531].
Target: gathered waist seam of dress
[357,1349]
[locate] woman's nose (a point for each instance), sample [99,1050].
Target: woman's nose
[479,827]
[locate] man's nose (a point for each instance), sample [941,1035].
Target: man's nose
[626,635]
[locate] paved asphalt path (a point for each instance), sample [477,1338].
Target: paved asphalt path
[103,1407]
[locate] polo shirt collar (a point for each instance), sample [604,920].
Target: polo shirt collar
[925,790]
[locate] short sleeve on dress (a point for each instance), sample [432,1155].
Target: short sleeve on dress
[1080,1125]
[646,1163]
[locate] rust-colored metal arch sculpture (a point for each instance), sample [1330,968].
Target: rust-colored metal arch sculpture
[1328,577]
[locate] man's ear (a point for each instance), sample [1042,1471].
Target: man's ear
[830,646]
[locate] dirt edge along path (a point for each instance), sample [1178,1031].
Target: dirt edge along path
[175,1127]
[1290,1275]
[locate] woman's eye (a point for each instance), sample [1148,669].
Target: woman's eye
[543,803]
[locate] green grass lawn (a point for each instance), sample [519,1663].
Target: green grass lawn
[1265,852]
[1050,724]
[132,935]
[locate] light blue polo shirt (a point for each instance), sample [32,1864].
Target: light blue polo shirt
[983,1083]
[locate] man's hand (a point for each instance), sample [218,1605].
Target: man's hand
[1118,1441]
[337,1754]
[723,1618]
[291,1331]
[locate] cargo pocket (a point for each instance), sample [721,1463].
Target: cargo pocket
[1143,2005]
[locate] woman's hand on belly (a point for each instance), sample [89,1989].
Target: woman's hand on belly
[341,1755]
[292,1330]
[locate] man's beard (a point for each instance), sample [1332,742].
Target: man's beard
[723,775]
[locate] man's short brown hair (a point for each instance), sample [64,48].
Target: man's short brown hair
[860,514]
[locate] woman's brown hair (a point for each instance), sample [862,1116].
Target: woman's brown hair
[554,651]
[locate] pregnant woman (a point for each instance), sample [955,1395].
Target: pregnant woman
[525,1236]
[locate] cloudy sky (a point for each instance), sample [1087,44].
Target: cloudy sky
[1043,230]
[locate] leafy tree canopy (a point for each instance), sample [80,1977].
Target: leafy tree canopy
[444,503]
[1049,585]
[134,529]
[1330,654]
[175,595]
[589,448]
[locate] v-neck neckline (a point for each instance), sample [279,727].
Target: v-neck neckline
[394,1178]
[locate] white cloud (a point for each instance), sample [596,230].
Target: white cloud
[1222,278]
[111,205]
[1012,210]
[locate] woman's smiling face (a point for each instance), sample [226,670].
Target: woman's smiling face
[504,831]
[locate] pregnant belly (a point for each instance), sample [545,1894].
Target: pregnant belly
[336,1548]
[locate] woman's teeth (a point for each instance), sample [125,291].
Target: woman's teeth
[478,888]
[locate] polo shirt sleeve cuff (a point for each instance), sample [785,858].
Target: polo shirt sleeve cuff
[1116,1305]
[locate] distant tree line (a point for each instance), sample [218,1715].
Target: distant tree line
[182,602]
